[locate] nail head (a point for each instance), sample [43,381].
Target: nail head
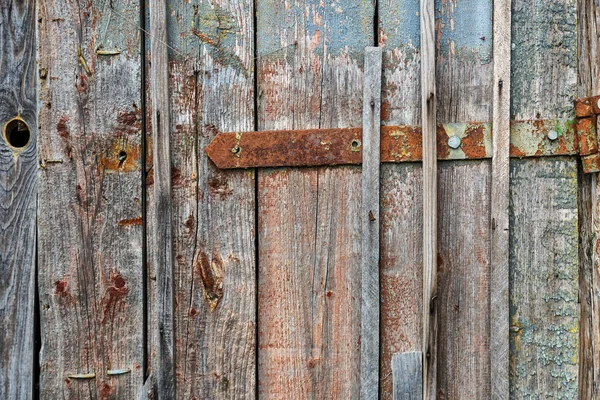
[552,135]
[454,142]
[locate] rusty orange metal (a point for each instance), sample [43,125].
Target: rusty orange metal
[456,141]
[586,129]
[587,106]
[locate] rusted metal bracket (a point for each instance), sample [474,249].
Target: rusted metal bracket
[586,113]
[455,141]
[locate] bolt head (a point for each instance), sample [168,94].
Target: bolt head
[454,142]
[552,135]
[598,103]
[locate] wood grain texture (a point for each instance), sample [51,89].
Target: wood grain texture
[463,275]
[464,93]
[89,207]
[18,190]
[162,235]
[500,195]
[543,219]
[407,370]
[589,282]
[212,89]
[369,326]
[310,74]
[428,120]
[401,211]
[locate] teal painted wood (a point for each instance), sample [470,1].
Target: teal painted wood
[18,190]
[309,75]
[89,204]
[544,307]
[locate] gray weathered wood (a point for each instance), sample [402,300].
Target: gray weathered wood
[401,191]
[499,259]
[309,75]
[162,235]
[544,307]
[211,89]
[369,331]
[428,118]
[89,203]
[18,190]
[407,371]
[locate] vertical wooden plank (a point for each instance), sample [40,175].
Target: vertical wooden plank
[401,191]
[211,89]
[589,228]
[90,213]
[162,235]
[18,190]
[310,74]
[465,93]
[499,270]
[369,330]
[407,370]
[428,120]
[543,242]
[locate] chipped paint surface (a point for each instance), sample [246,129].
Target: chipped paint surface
[544,271]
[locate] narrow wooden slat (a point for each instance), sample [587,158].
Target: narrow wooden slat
[369,331]
[310,75]
[428,118]
[90,203]
[544,301]
[499,315]
[18,190]
[407,371]
[162,244]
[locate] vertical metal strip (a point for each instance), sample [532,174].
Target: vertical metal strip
[369,374]
[499,311]
[163,232]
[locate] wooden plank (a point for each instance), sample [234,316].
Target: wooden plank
[499,257]
[211,87]
[369,327]
[18,190]
[589,229]
[544,237]
[463,276]
[428,118]
[89,204]
[407,370]
[464,93]
[310,74]
[401,191]
[162,213]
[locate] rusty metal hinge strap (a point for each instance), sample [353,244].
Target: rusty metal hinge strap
[456,141]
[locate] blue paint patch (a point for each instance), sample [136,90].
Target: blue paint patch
[465,25]
[343,26]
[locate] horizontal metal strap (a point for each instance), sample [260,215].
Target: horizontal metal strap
[322,147]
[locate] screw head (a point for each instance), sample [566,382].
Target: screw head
[552,135]
[236,150]
[454,142]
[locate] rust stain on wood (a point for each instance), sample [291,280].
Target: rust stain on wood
[114,294]
[131,221]
[211,276]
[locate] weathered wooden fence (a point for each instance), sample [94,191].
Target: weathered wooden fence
[128,257]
